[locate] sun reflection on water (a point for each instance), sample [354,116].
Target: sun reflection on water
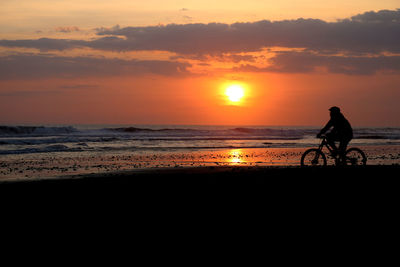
[235,157]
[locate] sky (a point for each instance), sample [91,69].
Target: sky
[171,61]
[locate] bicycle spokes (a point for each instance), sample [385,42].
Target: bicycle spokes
[354,157]
[313,157]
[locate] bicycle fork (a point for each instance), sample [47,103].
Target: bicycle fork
[316,158]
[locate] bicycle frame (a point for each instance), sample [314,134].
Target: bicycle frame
[324,142]
[333,151]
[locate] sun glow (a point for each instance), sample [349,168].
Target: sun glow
[234,93]
[235,157]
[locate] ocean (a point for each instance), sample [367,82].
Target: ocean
[48,151]
[123,138]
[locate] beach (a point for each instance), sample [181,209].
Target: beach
[253,188]
[58,165]
[30,154]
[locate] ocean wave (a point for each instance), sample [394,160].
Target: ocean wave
[136,130]
[189,145]
[272,131]
[189,131]
[233,132]
[42,135]
[377,133]
[35,130]
[56,140]
[46,149]
[372,137]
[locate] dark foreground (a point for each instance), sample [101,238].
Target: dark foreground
[292,199]
[268,180]
[239,213]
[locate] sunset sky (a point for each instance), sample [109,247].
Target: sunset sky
[171,61]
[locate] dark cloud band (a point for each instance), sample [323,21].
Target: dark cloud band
[305,62]
[31,66]
[357,46]
[370,32]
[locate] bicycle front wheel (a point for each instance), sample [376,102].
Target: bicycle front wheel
[312,158]
[355,157]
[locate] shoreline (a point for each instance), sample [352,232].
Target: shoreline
[47,166]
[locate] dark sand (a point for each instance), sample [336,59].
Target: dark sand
[332,203]
[322,214]
[187,180]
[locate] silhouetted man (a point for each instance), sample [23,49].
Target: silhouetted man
[341,130]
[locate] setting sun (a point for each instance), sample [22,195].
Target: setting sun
[234,93]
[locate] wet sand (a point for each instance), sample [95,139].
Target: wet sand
[41,166]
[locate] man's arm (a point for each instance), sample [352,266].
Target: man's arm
[326,128]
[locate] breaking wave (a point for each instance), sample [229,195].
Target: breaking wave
[45,139]
[35,130]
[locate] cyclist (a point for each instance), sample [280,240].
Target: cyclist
[341,131]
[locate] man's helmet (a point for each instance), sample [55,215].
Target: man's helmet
[334,110]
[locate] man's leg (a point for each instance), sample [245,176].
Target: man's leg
[343,145]
[331,138]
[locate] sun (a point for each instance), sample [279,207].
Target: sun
[234,93]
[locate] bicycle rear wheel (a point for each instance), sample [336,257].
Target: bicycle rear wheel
[355,157]
[313,157]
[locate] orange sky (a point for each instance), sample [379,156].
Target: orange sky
[87,70]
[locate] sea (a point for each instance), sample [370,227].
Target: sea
[33,139]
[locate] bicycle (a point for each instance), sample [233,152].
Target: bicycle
[315,157]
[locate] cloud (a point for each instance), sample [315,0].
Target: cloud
[29,66]
[67,29]
[44,44]
[370,32]
[238,58]
[355,45]
[100,30]
[305,62]
[387,16]
[188,18]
